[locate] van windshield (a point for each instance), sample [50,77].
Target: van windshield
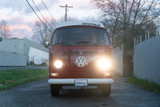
[80,36]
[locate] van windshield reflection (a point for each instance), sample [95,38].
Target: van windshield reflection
[80,36]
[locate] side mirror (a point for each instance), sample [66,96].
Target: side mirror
[0,39]
[47,43]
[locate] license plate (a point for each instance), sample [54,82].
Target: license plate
[80,82]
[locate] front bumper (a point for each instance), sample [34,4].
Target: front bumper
[90,81]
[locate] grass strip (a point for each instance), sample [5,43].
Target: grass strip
[150,86]
[117,75]
[11,78]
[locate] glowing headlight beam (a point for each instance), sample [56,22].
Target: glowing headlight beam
[58,64]
[104,63]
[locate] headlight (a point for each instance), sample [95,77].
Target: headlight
[104,63]
[58,64]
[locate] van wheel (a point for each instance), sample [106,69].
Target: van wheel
[106,90]
[54,90]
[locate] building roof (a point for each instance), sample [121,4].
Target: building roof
[77,23]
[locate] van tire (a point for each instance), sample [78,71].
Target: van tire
[106,90]
[54,90]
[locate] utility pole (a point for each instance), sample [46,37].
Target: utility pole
[66,6]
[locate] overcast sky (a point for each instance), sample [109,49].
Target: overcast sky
[21,18]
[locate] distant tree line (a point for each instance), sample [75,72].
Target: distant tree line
[4,29]
[126,19]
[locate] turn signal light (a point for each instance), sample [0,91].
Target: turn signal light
[54,74]
[107,74]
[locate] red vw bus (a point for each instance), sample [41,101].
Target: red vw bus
[80,56]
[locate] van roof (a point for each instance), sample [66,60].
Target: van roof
[76,23]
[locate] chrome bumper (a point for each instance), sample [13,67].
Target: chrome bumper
[90,81]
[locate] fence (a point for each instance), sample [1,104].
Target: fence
[147,60]
[9,59]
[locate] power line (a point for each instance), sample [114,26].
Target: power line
[47,9]
[37,15]
[65,18]
[42,14]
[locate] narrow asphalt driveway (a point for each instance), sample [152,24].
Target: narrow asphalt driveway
[37,94]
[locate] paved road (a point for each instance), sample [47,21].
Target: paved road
[25,67]
[37,94]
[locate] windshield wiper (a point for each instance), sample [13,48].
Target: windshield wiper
[81,42]
[62,43]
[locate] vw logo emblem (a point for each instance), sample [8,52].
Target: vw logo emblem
[81,61]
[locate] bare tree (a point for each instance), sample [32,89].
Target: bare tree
[4,29]
[42,32]
[126,19]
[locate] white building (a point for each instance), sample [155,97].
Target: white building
[28,50]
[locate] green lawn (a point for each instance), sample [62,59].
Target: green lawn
[150,86]
[11,78]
